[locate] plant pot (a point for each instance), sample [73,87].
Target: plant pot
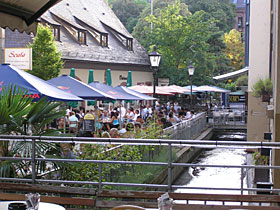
[261,175]
[265,151]
[265,98]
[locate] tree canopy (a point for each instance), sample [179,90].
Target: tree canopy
[221,10]
[47,61]
[235,49]
[128,11]
[182,37]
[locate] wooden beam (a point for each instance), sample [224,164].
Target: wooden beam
[39,188]
[56,200]
[189,196]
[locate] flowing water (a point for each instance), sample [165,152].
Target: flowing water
[216,177]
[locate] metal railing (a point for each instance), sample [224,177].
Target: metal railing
[151,142]
[231,117]
[187,129]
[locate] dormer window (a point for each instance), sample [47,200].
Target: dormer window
[56,33]
[82,37]
[129,44]
[104,40]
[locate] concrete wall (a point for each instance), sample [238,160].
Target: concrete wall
[259,64]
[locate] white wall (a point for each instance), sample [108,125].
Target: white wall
[137,76]
[259,41]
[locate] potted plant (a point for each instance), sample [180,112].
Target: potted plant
[261,174]
[263,89]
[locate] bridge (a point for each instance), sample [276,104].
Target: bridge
[104,193]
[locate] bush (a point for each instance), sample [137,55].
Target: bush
[263,87]
[242,81]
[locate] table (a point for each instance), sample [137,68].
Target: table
[42,205]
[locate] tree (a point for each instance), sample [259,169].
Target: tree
[221,10]
[235,49]
[143,28]
[47,61]
[224,14]
[128,11]
[182,37]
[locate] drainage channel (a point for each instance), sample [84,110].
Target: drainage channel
[216,177]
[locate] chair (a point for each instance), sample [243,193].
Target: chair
[73,128]
[127,207]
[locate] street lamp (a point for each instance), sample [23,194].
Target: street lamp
[191,72]
[154,59]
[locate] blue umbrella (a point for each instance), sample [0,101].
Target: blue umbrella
[116,94]
[69,84]
[36,87]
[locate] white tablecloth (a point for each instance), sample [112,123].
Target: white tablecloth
[42,206]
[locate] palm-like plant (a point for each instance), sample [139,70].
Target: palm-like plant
[20,116]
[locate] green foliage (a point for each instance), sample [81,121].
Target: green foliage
[242,81]
[142,30]
[262,87]
[128,11]
[260,159]
[180,38]
[20,116]
[235,49]
[229,86]
[47,61]
[222,11]
[223,14]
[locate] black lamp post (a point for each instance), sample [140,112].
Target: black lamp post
[191,72]
[154,59]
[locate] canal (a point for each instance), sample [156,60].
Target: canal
[216,177]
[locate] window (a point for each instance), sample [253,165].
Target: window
[104,40]
[240,22]
[82,37]
[56,33]
[129,44]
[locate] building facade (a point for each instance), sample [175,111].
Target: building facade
[240,22]
[264,63]
[90,36]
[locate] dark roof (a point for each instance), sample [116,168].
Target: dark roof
[95,17]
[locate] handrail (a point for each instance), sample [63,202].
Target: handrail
[163,142]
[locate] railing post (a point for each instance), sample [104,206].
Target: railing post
[33,161]
[242,182]
[169,167]
[100,177]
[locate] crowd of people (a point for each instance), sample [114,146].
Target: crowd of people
[118,117]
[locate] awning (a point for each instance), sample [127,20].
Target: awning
[232,74]
[207,88]
[135,93]
[37,88]
[22,14]
[148,90]
[84,91]
[114,93]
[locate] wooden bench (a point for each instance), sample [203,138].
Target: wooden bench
[77,198]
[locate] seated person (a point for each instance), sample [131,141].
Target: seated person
[114,122]
[73,123]
[140,120]
[130,115]
[171,118]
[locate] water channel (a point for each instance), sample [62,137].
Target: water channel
[216,177]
